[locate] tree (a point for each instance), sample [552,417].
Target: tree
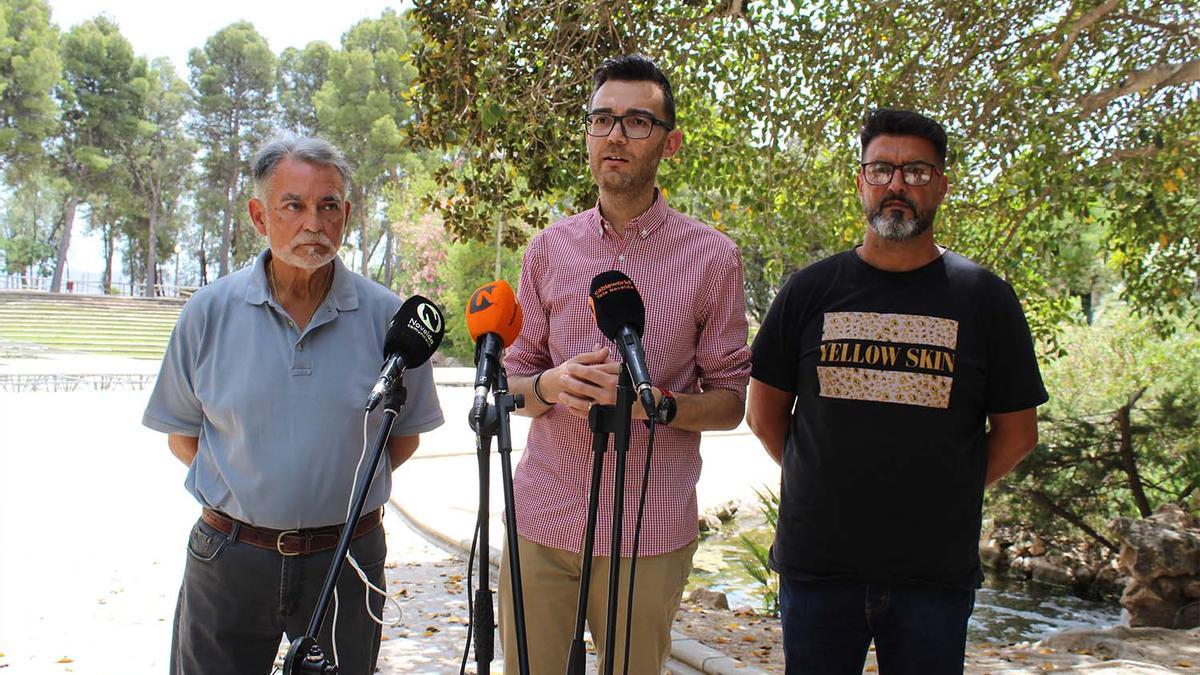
[233,77]
[160,154]
[301,74]
[99,102]
[365,106]
[30,68]
[1120,435]
[1054,110]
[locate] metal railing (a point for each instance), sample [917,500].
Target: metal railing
[61,382]
[91,285]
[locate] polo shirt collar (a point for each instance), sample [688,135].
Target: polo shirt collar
[343,294]
[644,225]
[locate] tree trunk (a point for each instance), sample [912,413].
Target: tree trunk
[108,256]
[363,224]
[1128,458]
[151,263]
[64,243]
[388,270]
[226,224]
[500,243]
[1044,501]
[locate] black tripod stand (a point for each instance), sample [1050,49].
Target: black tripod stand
[603,421]
[488,422]
[305,654]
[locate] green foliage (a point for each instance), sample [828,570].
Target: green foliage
[233,77]
[1039,99]
[1120,435]
[467,265]
[301,74]
[756,560]
[30,68]
[364,107]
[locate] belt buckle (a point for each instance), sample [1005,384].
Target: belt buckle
[279,544]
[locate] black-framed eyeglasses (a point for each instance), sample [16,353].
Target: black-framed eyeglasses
[634,125]
[914,173]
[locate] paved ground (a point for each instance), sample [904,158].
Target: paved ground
[93,517]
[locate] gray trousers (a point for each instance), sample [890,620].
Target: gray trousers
[237,600]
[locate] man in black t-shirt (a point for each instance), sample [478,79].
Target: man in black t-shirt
[892,382]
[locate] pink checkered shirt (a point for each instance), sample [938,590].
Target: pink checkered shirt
[690,278]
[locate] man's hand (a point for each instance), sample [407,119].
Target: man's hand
[583,381]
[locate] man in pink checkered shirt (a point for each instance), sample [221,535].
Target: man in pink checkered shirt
[690,277]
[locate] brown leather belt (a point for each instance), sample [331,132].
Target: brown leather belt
[289,542]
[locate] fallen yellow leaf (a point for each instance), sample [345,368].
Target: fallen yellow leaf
[1181,664]
[65,660]
[871,669]
[1170,186]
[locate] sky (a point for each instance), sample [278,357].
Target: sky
[171,29]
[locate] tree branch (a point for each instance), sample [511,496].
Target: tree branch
[1043,500]
[1162,75]
[1078,27]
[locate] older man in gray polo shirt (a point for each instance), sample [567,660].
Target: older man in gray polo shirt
[261,394]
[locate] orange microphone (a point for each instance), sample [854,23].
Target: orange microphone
[494,321]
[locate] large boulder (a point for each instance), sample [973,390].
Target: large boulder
[1161,555]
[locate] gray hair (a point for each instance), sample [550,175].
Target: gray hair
[310,149]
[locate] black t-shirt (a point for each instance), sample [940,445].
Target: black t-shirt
[894,375]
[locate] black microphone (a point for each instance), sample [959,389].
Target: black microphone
[621,316]
[413,335]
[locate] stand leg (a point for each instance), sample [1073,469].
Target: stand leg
[621,448]
[504,404]
[305,655]
[578,655]
[485,617]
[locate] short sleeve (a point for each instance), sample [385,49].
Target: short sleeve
[422,411]
[776,347]
[1013,379]
[173,407]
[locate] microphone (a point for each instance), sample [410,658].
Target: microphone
[493,320]
[413,335]
[621,316]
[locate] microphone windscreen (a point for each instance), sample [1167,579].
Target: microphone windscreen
[415,331]
[615,302]
[493,308]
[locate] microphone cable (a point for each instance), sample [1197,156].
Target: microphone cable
[462,668]
[368,586]
[637,534]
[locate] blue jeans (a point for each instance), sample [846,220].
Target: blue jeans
[828,626]
[236,601]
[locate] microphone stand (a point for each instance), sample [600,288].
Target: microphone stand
[604,420]
[305,654]
[494,421]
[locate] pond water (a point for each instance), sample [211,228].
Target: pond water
[1006,610]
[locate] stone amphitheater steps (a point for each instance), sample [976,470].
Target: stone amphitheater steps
[117,326]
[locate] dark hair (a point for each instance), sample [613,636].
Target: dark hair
[635,68]
[891,122]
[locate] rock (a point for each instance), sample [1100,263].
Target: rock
[709,522]
[1161,554]
[708,598]
[1037,547]
[1022,566]
[1052,569]
[1192,589]
[1155,645]
[991,554]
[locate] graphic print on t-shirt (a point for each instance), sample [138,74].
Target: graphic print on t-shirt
[889,358]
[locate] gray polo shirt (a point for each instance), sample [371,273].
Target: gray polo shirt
[279,413]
